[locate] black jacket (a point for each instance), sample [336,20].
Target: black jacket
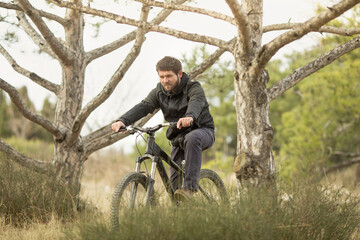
[188,100]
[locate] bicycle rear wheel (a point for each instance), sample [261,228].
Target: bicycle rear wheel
[211,187]
[130,193]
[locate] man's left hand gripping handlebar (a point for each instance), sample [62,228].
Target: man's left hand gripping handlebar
[117,126]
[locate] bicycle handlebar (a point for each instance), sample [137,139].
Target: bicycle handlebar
[132,128]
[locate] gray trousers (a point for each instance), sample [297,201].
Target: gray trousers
[195,142]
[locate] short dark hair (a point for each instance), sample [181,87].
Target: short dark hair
[169,64]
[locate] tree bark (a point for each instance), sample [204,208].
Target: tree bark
[254,160]
[68,155]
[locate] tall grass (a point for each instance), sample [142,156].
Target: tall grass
[308,212]
[28,197]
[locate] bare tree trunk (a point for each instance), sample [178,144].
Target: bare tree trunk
[68,153]
[254,158]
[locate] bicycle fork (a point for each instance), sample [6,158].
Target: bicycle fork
[150,188]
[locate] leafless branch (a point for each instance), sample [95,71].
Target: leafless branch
[33,76]
[191,9]
[145,25]
[59,49]
[33,34]
[106,136]
[345,154]
[323,29]
[36,165]
[242,23]
[47,15]
[339,31]
[208,62]
[36,118]
[342,165]
[313,24]
[101,51]
[115,79]
[280,87]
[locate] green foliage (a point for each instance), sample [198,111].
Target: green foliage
[222,163]
[28,197]
[319,116]
[309,212]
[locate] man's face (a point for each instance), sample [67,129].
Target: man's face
[169,80]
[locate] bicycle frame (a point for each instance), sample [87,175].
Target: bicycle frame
[157,156]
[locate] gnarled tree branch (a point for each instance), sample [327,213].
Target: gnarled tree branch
[101,51]
[280,87]
[30,163]
[36,118]
[323,29]
[33,76]
[208,62]
[115,79]
[42,13]
[242,23]
[191,9]
[313,24]
[341,165]
[145,25]
[33,34]
[110,137]
[59,49]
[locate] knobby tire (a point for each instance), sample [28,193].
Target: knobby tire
[119,201]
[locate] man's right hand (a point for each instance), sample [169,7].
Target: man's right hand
[116,126]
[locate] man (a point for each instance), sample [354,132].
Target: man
[183,101]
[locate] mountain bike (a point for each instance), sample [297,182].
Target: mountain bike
[136,189]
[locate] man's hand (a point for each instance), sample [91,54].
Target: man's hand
[184,122]
[116,126]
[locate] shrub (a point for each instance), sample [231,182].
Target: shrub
[27,196]
[308,212]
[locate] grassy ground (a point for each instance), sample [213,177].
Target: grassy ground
[32,231]
[310,212]
[307,211]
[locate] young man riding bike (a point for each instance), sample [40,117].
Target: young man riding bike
[183,101]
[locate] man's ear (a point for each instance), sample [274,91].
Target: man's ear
[180,74]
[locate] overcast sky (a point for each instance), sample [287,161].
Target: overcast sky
[142,77]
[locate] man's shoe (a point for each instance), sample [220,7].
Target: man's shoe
[183,194]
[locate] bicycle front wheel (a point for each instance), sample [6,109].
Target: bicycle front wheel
[130,193]
[211,187]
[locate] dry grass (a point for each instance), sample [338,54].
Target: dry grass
[32,231]
[101,174]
